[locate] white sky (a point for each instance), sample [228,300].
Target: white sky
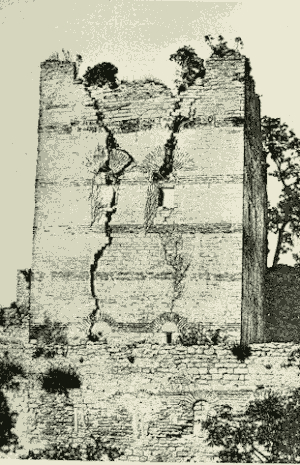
[138,37]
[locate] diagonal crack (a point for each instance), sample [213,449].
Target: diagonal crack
[166,170]
[112,169]
[98,255]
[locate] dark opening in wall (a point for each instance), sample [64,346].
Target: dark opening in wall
[166,197]
[169,338]
[200,414]
[160,197]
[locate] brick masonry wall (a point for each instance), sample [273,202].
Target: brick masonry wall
[23,287]
[144,396]
[208,200]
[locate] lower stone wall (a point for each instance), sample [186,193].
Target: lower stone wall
[143,397]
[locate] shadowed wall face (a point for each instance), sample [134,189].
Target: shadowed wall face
[132,282]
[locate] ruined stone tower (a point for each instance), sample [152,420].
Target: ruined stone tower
[96,258]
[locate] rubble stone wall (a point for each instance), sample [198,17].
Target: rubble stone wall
[144,396]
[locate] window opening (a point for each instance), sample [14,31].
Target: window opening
[200,414]
[166,197]
[169,338]
[160,197]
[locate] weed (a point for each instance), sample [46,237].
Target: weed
[56,452]
[8,370]
[60,380]
[49,335]
[13,315]
[241,351]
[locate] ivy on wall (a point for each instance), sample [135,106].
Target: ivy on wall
[172,243]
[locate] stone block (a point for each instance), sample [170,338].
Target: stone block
[230,376]
[241,370]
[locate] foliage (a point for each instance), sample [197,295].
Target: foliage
[196,335]
[221,49]
[66,56]
[8,371]
[60,380]
[191,335]
[192,67]
[7,423]
[268,431]
[101,74]
[27,273]
[13,315]
[215,337]
[103,449]
[294,358]
[100,449]
[147,79]
[151,167]
[44,351]
[56,452]
[284,148]
[241,351]
[53,57]
[152,162]
[151,205]
[49,334]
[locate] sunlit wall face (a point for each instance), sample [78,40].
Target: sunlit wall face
[138,37]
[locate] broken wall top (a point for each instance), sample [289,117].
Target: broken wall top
[137,106]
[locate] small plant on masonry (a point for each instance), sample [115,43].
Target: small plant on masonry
[60,380]
[14,315]
[220,49]
[191,336]
[51,335]
[241,351]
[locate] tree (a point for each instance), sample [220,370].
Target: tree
[7,422]
[191,65]
[267,432]
[101,74]
[9,370]
[284,148]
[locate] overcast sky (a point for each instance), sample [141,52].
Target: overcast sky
[138,37]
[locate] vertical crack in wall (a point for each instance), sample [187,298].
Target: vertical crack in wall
[178,119]
[166,169]
[192,69]
[111,170]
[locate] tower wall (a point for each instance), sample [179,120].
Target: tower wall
[254,221]
[132,281]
